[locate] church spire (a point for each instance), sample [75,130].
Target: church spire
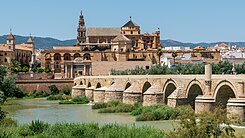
[81,30]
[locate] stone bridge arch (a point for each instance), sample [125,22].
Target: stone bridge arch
[168,88]
[127,85]
[193,89]
[98,85]
[223,91]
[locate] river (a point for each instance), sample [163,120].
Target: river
[26,110]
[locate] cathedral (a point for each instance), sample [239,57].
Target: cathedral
[124,46]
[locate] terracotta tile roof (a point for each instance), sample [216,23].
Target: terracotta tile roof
[121,37]
[67,48]
[104,31]
[10,37]
[24,47]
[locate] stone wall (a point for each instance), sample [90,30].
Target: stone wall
[104,67]
[34,76]
[42,85]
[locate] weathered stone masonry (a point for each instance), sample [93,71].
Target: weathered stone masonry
[202,92]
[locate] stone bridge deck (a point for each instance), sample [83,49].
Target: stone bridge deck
[202,92]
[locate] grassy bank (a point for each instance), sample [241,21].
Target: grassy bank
[76,100]
[148,113]
[76,130]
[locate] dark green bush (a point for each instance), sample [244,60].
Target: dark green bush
[53,89]
[37,94]
[99,105]
[40,70]
[47,70]
[81,100]
[66,90]
[59,97]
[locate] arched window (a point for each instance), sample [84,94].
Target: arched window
[76,55]
[47,64]
[86,56]
[57,56]
[5,60]
[57,65]
[67,56]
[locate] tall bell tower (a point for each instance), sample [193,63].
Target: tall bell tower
[81,30]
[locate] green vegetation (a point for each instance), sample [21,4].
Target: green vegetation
[223,67]
[75,130]
[59,97]
[25,69]
[157,112]
[47,70]
[53,90]
[7,84]
[37,94]
[204,125]
[76,100]
[142,113]
[40,70]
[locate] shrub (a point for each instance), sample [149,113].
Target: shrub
[40,70]
[76,100]
[53,89]
[81,100]
[65,90]
[38,126]
[38,94]
[155,113]
[47,70]
[208,125]
[99,105]
[67,102]
[25,69]
[34,70]
[58,97]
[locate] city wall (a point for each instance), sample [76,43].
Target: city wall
[42,85]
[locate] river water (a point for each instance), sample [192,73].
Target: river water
[26,110]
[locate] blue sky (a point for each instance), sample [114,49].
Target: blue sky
[182,20]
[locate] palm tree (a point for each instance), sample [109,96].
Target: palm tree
[174,55]
[159,53]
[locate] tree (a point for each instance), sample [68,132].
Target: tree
[159,53]
[174,55]
[15,66]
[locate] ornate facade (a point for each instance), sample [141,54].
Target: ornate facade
[24,53]
[101,44]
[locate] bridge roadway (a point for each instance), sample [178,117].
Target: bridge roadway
[202,92]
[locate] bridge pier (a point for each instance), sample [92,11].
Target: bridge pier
[236,108]
[89,93]
[132,97]
[204,104]
[154,98]
[78,91]
[113,95]
[99,94]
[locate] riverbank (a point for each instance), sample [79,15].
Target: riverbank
[26,110]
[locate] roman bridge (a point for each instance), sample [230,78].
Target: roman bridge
[202,92]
